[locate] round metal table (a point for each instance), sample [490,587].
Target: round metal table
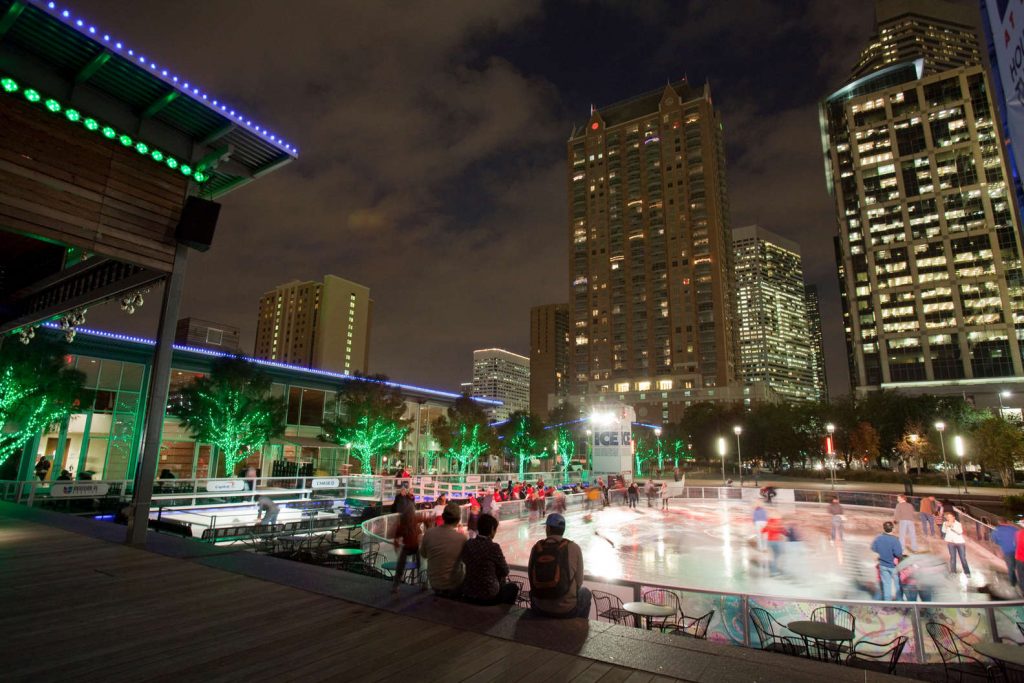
[345,552]
[649,611]
[826,636]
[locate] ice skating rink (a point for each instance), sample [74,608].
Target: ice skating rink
[712,545]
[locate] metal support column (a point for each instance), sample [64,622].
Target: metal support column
[156,404]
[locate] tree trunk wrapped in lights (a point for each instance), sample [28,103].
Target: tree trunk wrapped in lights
[464,434]
[231,409]
[37,390]
[523,435]
[566,449]
[370,419]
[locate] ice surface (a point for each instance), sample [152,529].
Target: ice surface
[712,545]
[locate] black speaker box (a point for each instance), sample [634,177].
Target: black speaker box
[198,223]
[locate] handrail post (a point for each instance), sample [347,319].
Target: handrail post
[918,637]
[990,612]
[745,601]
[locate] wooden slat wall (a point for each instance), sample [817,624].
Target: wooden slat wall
[64,183]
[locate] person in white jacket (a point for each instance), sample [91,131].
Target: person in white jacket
[953,535]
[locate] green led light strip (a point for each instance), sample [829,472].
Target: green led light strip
[11,87]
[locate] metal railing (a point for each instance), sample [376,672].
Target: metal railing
[876,620]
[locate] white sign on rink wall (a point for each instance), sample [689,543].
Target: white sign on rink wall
[611,445]
[222,485]
[472,478]
[75,490]
[326,483]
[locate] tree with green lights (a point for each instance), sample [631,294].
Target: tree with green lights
[523,435]
[37,390]
[371,417]
[566,448]
[231,409]
[645,449]
[464,433]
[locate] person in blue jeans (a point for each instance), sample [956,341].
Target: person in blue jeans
[889,551]
[953,535]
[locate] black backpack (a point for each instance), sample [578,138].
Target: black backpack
[549,569]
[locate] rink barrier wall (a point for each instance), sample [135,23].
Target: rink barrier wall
[877,621]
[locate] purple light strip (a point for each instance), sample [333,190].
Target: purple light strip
[90,31]
[268,363]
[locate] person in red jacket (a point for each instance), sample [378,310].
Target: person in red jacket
[776,535]
[1018,555]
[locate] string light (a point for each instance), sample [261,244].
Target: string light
[11,87]
[274,364]
[193,91]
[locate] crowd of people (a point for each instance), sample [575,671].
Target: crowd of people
[472,567]
[905,569]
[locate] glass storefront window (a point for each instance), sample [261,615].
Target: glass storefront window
[91,368]
[131,377]
[312,407]
[110,375]
[294,403]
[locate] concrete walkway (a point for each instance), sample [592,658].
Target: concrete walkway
[80,605]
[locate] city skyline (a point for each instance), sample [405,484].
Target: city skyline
[395,217]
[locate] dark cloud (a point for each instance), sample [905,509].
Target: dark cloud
[432,145]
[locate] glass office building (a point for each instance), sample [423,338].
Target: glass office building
[928,246]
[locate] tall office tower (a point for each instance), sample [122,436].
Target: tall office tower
[322,325]
[771,319]
[549,357]
[206,335]
[649,258]
[503,375]
[928,248]
[941,33]
[813,307]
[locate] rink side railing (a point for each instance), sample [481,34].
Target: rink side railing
[877,621]
[227,490]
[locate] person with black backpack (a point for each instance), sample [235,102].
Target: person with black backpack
[556,575]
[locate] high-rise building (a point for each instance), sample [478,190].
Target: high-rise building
[205,334]
[771,317]
[928,249]
[502,375]
[322,325]
[649,258]
[813,306]
[549,356]
[941,33]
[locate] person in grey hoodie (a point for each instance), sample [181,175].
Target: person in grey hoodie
[905,516]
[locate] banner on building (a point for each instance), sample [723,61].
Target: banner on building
[1004,21]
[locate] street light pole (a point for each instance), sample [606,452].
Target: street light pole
[831,429]
[721,452]
[737,430]
[958,445]
[940,427]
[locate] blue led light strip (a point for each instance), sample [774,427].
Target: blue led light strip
[11,87]
[268,363]
[190,89]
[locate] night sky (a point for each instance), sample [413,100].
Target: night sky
[432,147]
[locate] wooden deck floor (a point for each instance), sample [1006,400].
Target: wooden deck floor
[79,608]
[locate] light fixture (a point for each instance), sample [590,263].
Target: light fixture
[12,87]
